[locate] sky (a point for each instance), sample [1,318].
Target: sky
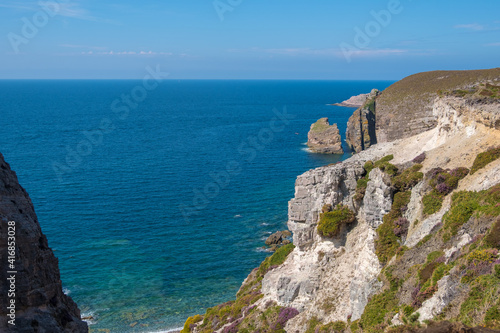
[246,39]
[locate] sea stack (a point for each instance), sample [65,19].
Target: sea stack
[324,138]
[29,266]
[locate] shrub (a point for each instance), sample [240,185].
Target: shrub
[463,206]
[330,223]
[401,228]
[432,202]
[442,182]
[492,239]
[387,242]
[419,159]
[285,315]
[362,183]
[276,259]
[485,158]
[408,178]
[384,165]
[327,208]
[190,321]
[480,262]
[482,292]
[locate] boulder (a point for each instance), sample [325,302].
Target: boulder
[275,239]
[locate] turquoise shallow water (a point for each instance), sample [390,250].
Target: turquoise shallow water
[148,225]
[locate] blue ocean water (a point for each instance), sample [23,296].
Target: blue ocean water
[157,209]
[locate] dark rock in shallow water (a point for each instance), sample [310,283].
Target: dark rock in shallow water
[41,305]
[276,238]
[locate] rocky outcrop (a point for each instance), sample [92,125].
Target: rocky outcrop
[40,304]
[354,101]
[278,238]
[324,138]
[327,185]
[360,133]
[378,198]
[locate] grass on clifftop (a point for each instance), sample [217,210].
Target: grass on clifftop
[425,86]
[320,125]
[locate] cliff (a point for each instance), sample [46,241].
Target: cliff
[35,290]
[406,107]
[324,138]
[360,133]
[402,237]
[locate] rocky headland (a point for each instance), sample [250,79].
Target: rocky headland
[354,101]
[324,138]
[401,237]
[39,301]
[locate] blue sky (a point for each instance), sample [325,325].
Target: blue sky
[246,39]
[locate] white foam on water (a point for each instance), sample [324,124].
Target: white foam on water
[167,331]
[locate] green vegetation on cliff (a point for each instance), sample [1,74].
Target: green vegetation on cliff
[240,315]
[331,222]
[485,158]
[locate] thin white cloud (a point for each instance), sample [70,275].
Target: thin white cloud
[471,26]
[66,8]
[128,53]
[331,52]
[492,44]
[377,52]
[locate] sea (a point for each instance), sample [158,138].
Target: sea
[157,201]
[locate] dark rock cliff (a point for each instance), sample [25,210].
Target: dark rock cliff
[360,133]
[40,304]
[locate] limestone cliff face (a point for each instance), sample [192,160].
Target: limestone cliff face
[324,138]
[405,108]
[41,305]
[360,133]
[333,279]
